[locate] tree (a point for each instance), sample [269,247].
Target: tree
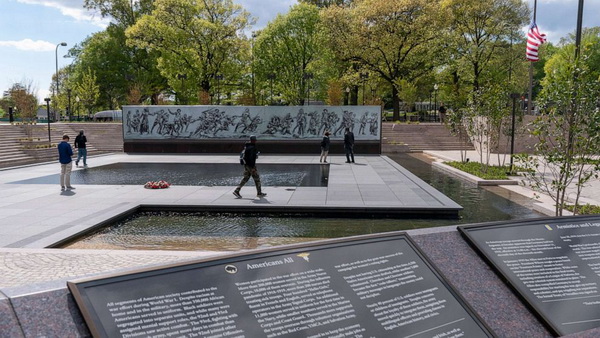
[478,32]
[568,132]
[24,100]
[119,67]
[88,91]
[327,3]
[408,93]
[290,47]
[394,39]
[202,39]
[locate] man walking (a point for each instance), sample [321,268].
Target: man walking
[349,145]
[80,142]
[66,164]
[250,156]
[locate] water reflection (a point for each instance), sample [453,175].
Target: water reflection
[198,231]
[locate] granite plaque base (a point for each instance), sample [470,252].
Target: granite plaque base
[369,286]
[553,264]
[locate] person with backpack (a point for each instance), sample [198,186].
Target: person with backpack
[349,145]
[80,141]
[325,147]
[248,159]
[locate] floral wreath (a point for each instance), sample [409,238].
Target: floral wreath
[157,185]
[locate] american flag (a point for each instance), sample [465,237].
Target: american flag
[534,40]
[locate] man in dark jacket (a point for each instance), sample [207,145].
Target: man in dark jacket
[250,156]
[80,142]
[349,145]
[66,164]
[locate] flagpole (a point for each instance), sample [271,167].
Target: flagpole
[530,93]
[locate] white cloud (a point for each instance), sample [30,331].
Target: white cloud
[71,8]
[30,45]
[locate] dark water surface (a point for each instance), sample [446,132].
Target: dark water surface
[206,174]
[201,231]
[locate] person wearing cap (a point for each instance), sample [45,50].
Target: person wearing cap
[80,141]
[250,156]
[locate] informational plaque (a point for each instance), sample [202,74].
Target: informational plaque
[553,263]
[367,286]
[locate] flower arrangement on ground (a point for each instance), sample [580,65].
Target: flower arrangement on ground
[157,185]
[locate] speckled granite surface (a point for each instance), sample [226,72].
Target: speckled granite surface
[50,311]
[50,314]
[491,298]
[9,326]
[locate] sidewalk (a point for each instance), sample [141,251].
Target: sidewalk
[544,203]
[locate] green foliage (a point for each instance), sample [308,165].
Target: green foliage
[290,47]
[201,39]
[569,132]
[88,91]
[587,209]
[394,39]
[481,170]
[478,33]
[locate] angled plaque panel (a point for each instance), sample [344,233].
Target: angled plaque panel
[552,263]
[366,286]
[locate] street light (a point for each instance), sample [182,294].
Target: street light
[48,111]
[435,107]
[364,77]
[307,77]
[56,57]
[347,96]
[219,77]
[181,77]
[514,97]
[69,103]
[271,77]
[77,100]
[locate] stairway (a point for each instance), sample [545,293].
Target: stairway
[20,145]
[10,147]
[417,137]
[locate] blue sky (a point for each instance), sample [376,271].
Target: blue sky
[31,29]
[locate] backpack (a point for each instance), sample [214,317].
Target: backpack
[243,157]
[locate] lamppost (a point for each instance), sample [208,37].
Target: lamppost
[435,107]
[69,104]
[514,97]
[181,77]
[219,77]
[48,111]
[56,57]
[364,77]
[347,96]
[271,77]
[307,77]
[77,100]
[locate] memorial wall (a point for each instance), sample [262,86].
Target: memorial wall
[221,129]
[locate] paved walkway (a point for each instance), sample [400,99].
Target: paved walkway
[35,216]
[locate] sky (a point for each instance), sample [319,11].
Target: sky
[30,31]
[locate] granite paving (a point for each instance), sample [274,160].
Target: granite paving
[36,216]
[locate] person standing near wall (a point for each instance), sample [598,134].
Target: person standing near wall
[325,147]
[80,142]
[66,164]
[349,145]
[249,159]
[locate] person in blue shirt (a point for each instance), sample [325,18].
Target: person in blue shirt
[65,152]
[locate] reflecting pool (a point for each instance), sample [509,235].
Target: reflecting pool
[222,232]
